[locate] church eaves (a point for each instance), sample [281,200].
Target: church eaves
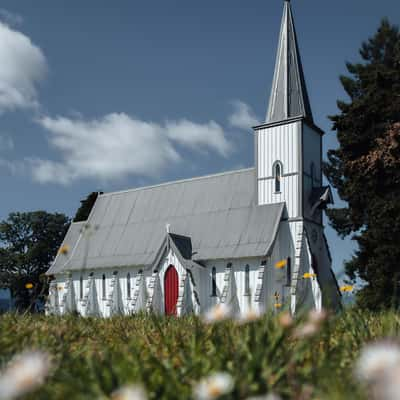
[289,97]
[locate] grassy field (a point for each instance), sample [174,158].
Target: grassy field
[313,358]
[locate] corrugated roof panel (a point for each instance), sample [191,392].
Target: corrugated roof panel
[216,212]
[126,206]
[95,240]
[99,210]
[137,214]
[112,211]
[111,242]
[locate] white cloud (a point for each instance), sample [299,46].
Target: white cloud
[242,116]
[22,67]
[10,18]
[197,136]
[118,145]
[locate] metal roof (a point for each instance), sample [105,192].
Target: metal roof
[289,97]
[217,212]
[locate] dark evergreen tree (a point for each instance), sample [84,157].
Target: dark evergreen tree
[365,169]
[28,244]
[86,206]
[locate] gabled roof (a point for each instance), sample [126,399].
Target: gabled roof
[289,97]
[217,212]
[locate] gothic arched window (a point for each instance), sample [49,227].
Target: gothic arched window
[128,285]
[103,286]
[81,287]
[277,171]
[247,280]
[214,282]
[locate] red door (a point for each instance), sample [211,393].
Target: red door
[170,290]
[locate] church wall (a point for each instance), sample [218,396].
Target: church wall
[289,190]
[312,153]
[274,280]
[98,276]
[238,265]
[319,248]
[279,143]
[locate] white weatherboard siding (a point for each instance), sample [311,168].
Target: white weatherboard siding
[274,281]
[279,143]
[312,142]
[289,190]
[312,151]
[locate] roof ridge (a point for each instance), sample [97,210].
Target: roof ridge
[177,181]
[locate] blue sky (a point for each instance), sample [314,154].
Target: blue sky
[77,78]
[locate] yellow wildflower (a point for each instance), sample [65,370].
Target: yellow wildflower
[309,275]
[28,285]
[280,264]
[64,249]
[346,288]
[278,305]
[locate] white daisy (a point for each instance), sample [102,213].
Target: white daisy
[25,373]
[285,320]
[269,396]
[218,313]
[129,392]
[317,316]
[306,330]
[250,315]
[377,360]
[214,386]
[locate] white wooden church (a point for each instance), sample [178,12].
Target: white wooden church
[251,238]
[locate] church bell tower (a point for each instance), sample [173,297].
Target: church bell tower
[289,145]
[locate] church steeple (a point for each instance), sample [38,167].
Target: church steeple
[289,97]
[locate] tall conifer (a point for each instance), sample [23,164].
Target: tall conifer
[365,169]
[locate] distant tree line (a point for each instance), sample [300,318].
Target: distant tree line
[29,242]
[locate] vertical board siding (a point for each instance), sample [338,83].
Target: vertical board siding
[279,143]
[289,193]
[312,154]
[202,278]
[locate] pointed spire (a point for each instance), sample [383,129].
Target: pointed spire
[289,97]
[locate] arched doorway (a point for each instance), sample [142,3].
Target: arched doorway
[170,290]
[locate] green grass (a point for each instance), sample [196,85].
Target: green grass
[93,357]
